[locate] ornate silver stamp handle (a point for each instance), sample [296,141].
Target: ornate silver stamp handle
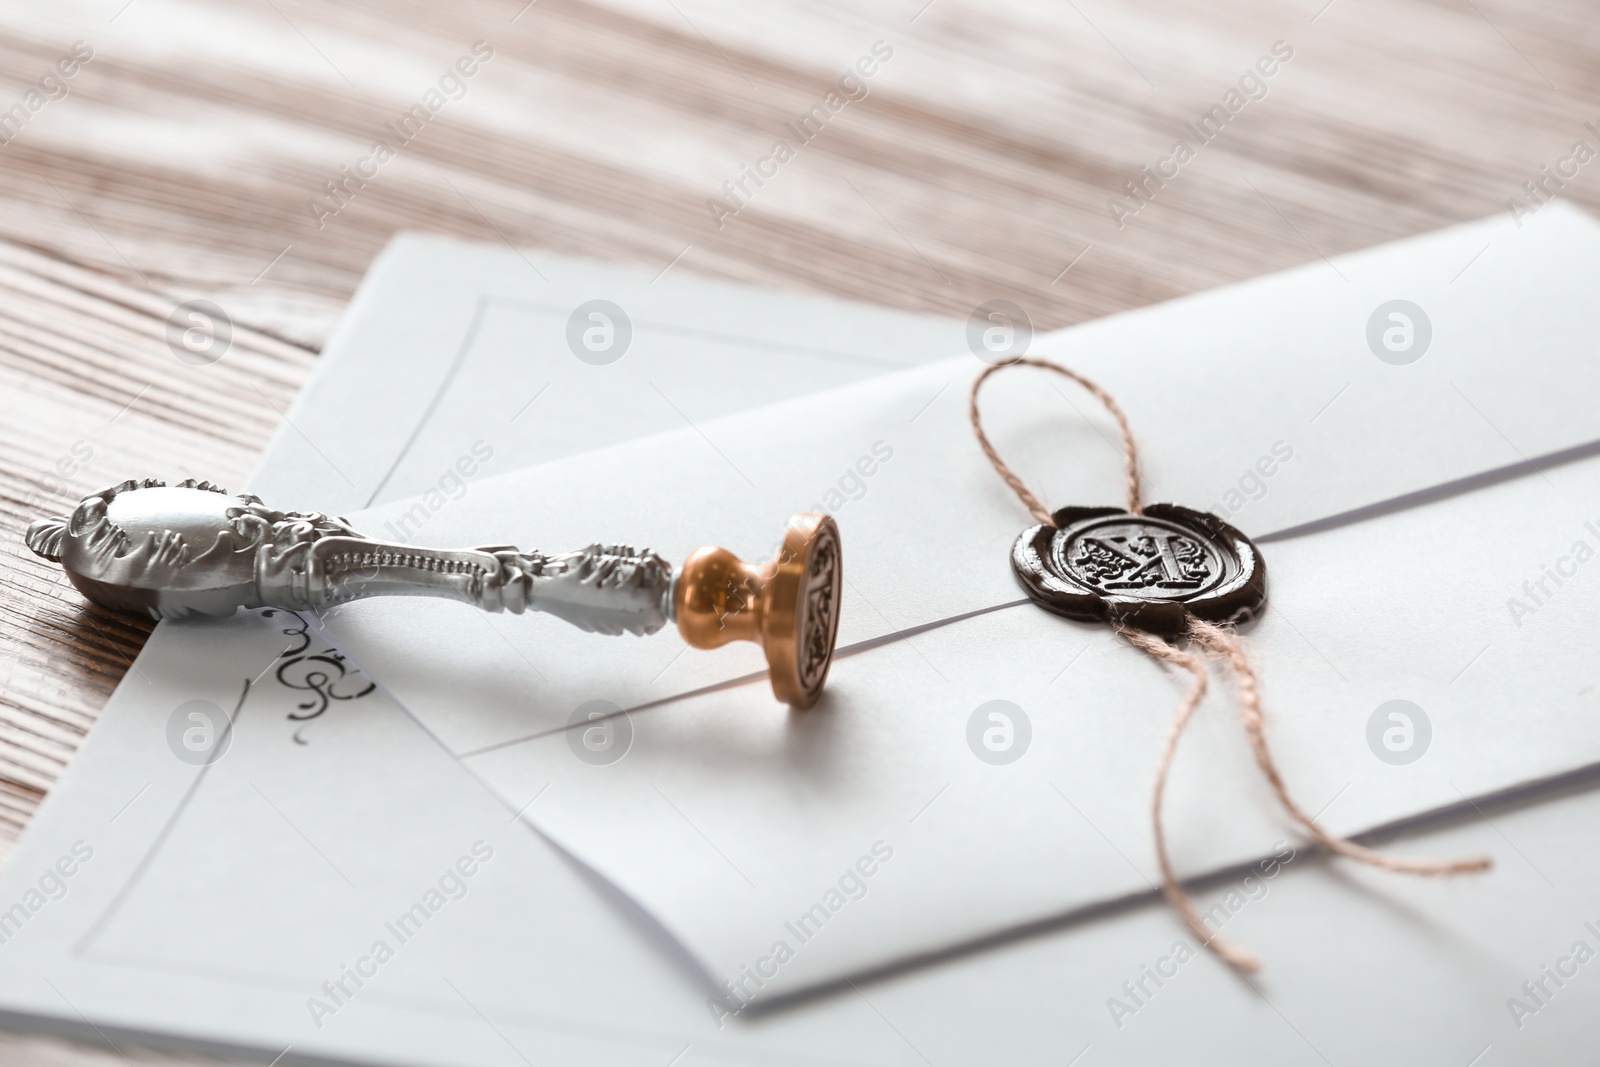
[195,549]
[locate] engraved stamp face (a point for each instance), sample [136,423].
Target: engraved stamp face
[820,609]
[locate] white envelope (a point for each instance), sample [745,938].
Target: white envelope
[1438,488]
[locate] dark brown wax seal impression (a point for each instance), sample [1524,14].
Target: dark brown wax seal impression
[1151,571]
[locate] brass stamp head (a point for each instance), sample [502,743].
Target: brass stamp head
[788,605]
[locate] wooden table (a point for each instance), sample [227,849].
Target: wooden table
[988,154]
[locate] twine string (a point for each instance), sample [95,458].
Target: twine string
[1222,642]
[1225,643]
[1130,449]
[1231,954]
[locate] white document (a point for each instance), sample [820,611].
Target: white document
[731,820]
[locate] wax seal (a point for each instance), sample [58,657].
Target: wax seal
[1151,570]
[195,549]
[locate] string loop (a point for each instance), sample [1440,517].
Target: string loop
[1129,449]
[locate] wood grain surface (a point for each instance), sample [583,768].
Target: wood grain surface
[979,160]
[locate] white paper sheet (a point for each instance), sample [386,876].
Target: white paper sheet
[730,819]
[450,343]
